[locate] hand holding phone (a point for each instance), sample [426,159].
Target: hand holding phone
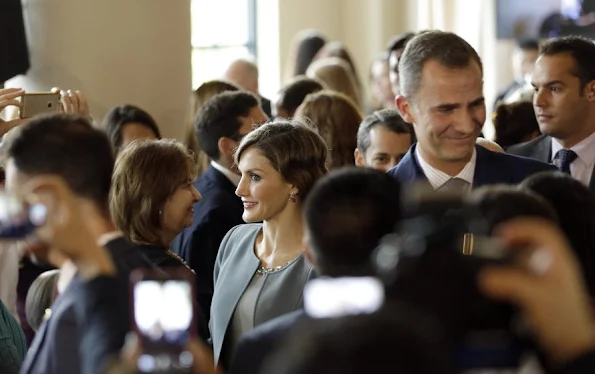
[163,318]
[8,97]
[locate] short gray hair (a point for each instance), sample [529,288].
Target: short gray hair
[447,48]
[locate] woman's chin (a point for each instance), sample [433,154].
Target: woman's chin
[250,218]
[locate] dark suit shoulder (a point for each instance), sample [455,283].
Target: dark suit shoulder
[127,256]
[496,167]
[536,148]
[407,170]
[524,161]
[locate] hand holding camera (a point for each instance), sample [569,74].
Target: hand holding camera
[548,288]
[9,97]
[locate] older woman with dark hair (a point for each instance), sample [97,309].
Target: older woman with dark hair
[152,196]
[126,123]
[261,268]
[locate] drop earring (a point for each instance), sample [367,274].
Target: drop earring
[292,197]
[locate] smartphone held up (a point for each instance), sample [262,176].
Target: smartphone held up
[34,104]
[163,317]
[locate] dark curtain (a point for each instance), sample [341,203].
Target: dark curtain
[14,55]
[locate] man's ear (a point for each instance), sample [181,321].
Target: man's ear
[590,91]
[360,160]
[226,146]
[404,109]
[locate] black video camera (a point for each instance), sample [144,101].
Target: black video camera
[432,262]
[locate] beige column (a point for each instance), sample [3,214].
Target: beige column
[116,51]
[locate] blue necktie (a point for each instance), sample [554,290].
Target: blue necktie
[565,157]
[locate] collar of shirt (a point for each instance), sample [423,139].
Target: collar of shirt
[585,150]
[67,272]
[233,177]
[108,237]
[437,177]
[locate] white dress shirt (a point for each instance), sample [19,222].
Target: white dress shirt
[438,178]
[582,168]
[233,177]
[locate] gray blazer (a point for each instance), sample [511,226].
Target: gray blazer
[234,269]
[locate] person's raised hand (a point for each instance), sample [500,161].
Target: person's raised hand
[9,97]
[547,286]
[73,102]
[132,350]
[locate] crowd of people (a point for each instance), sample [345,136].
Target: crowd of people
[287,216]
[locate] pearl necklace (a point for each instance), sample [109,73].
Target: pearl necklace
[182,261]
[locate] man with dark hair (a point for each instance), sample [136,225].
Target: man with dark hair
[383,139]
[293,94]
[395,49]
[523,59]
[345,217]
[564,103]
[220,125]
[69,147]
[441,86]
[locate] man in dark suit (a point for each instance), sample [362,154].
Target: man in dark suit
[346,215]
[69,147]
[564,103]
[441,94]
[220,125]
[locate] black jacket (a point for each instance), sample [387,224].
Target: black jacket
[215,214]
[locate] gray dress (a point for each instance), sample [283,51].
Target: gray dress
[270,295]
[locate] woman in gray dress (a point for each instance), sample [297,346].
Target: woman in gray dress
[261,268]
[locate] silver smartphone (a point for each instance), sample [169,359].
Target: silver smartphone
[39,103]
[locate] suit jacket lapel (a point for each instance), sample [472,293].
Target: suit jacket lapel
[484,174]
[592,181]
[409,168]
[33,352]
[38,343]
[543,150]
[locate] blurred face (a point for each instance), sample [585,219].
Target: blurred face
[523,62]
[264,193]
[386,149]
[41,253]
[381,85]
[393,62]
[560,104]
[178,210]
[447,112]
[133,131]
